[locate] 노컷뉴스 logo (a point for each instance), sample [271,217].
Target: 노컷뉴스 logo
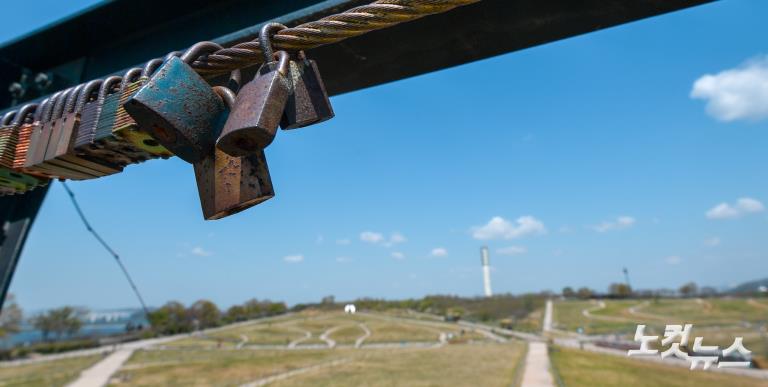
[676,336]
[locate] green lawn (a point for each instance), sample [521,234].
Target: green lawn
[48,373]
[581,368]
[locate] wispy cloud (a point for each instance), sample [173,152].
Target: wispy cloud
[673,260]
[619,223]
[742,206]
[439,252]
[378,238]
[398,255]
[511,250]
[371,237]
[296,258]
[738,93]
[200,252]
[500,228]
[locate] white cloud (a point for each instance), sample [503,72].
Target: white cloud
[673,260]
[379,238]
[293,258]
[343,242]
[743,206]
[371,237]
[439,252]
[200,252]
[620,223]
[396,238]
[500,228]
[512,250]
[343,259]
[738,93]
[398,255]
[712,242]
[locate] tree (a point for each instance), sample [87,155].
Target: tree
[584,293]
[328,300]
[206,313]
[171,318]
[10,317]
[236,313]
[59,321]
[568,292]
[689,289]
[620,290]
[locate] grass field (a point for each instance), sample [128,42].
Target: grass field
[49,373]
[580,368]
[718,321]
[470,358]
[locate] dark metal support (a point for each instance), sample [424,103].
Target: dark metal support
[17,214]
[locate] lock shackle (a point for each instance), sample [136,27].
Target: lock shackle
[235,81]
[88,92]
[73,98]
[171,55]
[151,67]
[198,50]
[45,115]
[226,94]
[130,76]
[40,110]
[107,86]
[8,118]
[265,39]
[58,107]
[27,110]
[284,60]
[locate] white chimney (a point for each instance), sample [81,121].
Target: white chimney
[486,271]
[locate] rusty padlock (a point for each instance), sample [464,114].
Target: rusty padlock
[8,137]
[38,140]
[228,184]
[259,105]
[177,107]
[25,121]
[308,104]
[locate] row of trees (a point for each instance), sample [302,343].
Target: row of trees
[622,290]
[174,317]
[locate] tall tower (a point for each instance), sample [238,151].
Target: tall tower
[486,271]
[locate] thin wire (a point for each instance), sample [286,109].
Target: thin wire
[106,246]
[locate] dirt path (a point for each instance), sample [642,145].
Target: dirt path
[289,374]
[548,317]
[98,375]
[307,336]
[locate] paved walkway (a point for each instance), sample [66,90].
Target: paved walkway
[98,375]
[537,366]
[548,317]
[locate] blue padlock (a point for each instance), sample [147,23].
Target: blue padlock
[178,108]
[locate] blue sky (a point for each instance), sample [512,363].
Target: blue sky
[569,160]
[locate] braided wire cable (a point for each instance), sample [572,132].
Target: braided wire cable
[330,29]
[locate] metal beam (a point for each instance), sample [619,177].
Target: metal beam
[17,212]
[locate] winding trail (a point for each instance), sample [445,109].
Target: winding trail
[325,336]
[243,341]
[299,371]
[307,336]
[361,339]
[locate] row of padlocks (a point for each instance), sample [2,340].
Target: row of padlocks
[166,109]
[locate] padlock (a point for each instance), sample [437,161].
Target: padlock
[38,140]
[228,184]
[177,107]
[308,104]
[90,121]
[65,151]
[8,138]
[259,105]
[25,121]
[59,143]
[126,127]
